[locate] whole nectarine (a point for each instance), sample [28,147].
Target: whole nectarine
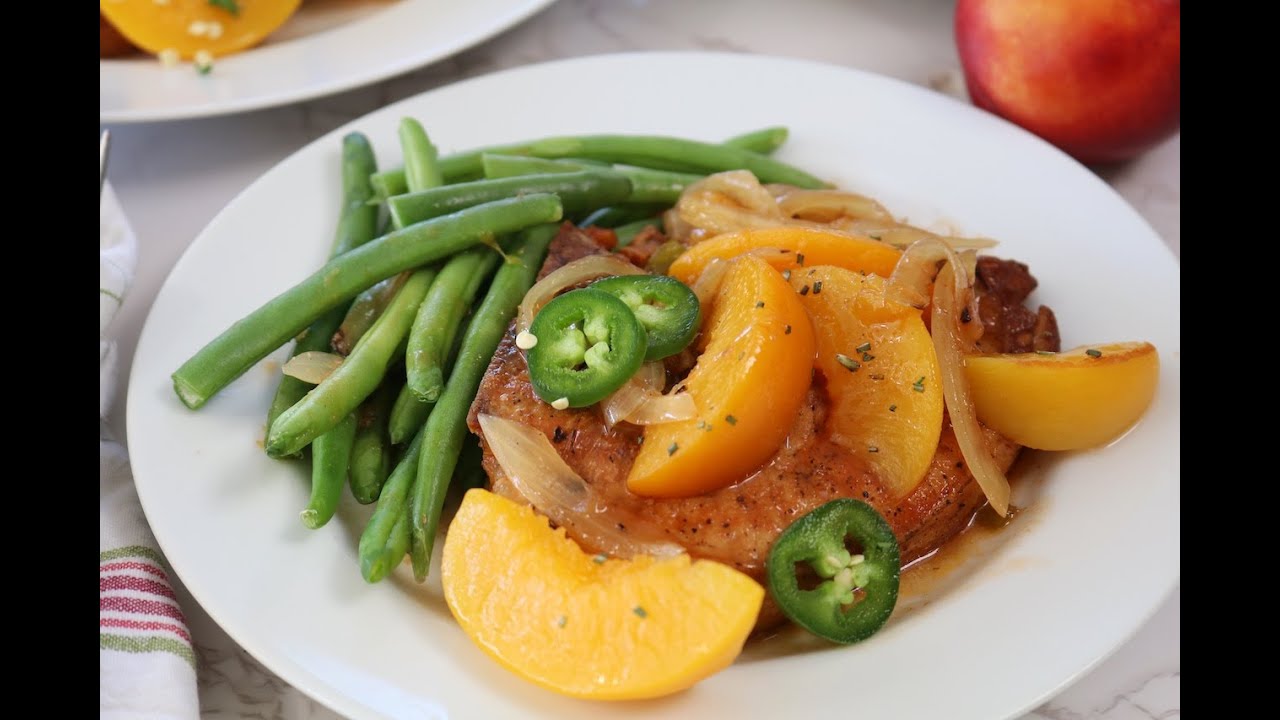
[1100,79]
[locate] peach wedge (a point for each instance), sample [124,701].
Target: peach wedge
[585,626]
[1078,399]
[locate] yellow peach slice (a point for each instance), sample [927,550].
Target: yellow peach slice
[881,372]
[1073,400]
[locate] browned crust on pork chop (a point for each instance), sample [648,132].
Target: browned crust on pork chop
[737,525]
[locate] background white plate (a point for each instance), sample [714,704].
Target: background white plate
[326,47]
[1069,581]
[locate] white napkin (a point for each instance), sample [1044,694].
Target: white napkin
[147,667]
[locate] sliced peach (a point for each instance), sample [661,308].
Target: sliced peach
[189,26]
[582,625]
[1077,399]
[881,373]
[803,247]
[748,386]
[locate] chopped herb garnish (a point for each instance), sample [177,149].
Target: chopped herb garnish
[231,6]
[759,303]
[817,287]
[799,258]
[672,450]
[864,347]
[918,385]
[704,425]
[849,363]
[599,559]
[868,357]
[786,330]
[1046,352]
[873,449]
[1093,353]
[564,620]
[731,419]
[204,68]
[893,408]
[639,611]
[873,237]
[804,290]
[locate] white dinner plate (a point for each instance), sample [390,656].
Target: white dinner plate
[1067,582]
[326,47]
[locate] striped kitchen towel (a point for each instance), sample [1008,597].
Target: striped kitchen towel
[146,660]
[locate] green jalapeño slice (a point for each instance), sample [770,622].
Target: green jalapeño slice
[848,596]
[666,307]
[588,344]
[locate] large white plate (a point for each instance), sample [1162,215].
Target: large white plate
[1071,579]
[327,47]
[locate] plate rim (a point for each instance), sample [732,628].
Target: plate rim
[313,685]
[521,10]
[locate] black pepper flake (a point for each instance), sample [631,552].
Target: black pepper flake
[965,315]
[559,435]
[672,450]
[640,613]
[786,330]
[864,347]
[893,408]
[759,303]
[799,258]
[1093,353]
[873,237]
[804,290]
[918,385]
[817,287]
[866,494]
[868,357]
[731,419]
[873,449]
[849,363]
[877,376]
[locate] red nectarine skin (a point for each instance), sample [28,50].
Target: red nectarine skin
[1100,79]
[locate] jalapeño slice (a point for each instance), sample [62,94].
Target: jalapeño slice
[666,307]
[589,344]
[855,592]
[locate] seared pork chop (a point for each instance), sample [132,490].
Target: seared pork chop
[738,524]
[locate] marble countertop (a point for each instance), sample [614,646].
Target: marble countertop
[172,178]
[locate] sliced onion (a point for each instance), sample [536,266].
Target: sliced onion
[568,275]
[828,205]
[708,283]
[948,298]
[312,366]
[641,402]
[539,473]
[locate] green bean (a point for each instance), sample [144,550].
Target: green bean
[365,311]
[330,455]
[370,453]
[470,470]
[501,166]
[662,153]
[397,544]
[421,159]
[443,434]
[627,233]
[763,141]
[408,413]
[647,186]
[393,504]
[356,378]
[619,215]
[252,338]
[356,225]
[438,319]
[578,192]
